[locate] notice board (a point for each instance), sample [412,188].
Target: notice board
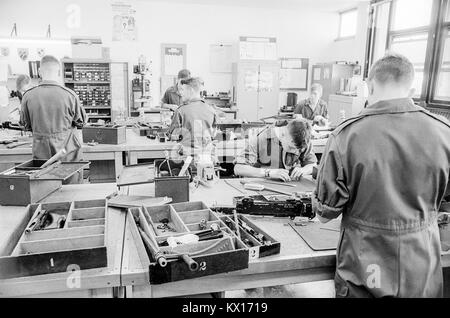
[294,73]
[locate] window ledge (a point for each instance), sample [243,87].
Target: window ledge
[345,38]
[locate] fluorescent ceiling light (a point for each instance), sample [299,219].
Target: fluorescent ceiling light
[33,40]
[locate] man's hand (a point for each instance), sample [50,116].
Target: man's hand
[297,173]
[320,120]
[279,174]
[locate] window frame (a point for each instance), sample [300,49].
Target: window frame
[435,46]
[339,37]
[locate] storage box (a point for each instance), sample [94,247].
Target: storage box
[257,249]
[114,135]
[87,47]
[28,183]
[78,239]
[173,186]
[217,255]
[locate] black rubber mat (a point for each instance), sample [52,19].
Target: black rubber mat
[318,236]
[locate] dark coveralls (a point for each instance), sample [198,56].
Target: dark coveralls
[264,149]
[53,112]
[195,122]
[386,171]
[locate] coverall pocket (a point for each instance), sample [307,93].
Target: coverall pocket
[340,287]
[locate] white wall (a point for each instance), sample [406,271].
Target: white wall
[299,33]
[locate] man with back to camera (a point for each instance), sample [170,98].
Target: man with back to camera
[283,153]
[172,97]
[53,113]
[194,121]
[386,171]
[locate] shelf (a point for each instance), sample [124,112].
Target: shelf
[87,82]
[97,107]
[98,116]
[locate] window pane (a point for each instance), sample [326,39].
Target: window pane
[381,30]
[443,82]
[411,14]
[414,47]
[348,23]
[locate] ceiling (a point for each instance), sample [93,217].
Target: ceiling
[320,5]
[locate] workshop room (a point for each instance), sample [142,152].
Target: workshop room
[237,149]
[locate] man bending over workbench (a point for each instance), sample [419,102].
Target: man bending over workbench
[284,153]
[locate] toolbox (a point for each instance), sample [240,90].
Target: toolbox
[218,249]
[28,183]
[105,134]
[164,173]
[147,129]
[259,243]
[57,236]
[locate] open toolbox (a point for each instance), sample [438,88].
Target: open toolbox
[186,240]
[28,182]
[57,236]
[258,242]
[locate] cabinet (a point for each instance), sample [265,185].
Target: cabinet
[329,76]
[339,105]
[256,88]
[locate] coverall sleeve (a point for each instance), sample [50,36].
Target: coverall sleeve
[249,154]
[79,114]
[165,98]
[25,115]
[176,123]
[298,107]
[331,194]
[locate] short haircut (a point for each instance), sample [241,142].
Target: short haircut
[194,82]
[49,60]
[300,131]
[184,74]
[22,80]
[316,87]
[392,68]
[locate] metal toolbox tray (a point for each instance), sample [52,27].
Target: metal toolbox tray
[114,135]
[174,186]
[28,183]
[259,242]
[218,250]
[57,236]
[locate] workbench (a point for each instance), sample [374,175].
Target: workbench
[296,262]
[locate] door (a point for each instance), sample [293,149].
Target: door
[268,89]
[246,85]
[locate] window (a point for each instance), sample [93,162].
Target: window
[420,30]
[347,26]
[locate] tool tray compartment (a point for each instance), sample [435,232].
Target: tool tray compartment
[28,183]
[169,183]
[68,233]
[220,252]
[259,245]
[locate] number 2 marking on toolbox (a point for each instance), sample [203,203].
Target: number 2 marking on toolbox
[203,266]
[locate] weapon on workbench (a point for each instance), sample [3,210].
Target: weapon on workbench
[11,126]
[262,205]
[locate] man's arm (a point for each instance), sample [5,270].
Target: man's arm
[298,107]
[175,126]
[305,167]
[331,193]
[25,120]
[246,163]
[165,102]
[79,114]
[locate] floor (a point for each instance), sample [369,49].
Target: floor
[320,289]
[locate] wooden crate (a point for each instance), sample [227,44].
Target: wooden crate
[115,135]
[79,244]
[214,256]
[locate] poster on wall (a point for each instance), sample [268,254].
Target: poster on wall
[124,22]
[4,51]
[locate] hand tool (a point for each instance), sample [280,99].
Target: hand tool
[17,144]
[260,187]
[37,222]
[238,232]
[186,164]
[56,157]
[271,182]
[47,169]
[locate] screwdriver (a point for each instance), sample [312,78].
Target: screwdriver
[260,187]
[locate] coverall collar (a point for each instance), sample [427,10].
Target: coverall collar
[398,105]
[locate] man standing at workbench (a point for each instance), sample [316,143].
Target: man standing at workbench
[53,113]
[172,97]
[386,171]
[283,153]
